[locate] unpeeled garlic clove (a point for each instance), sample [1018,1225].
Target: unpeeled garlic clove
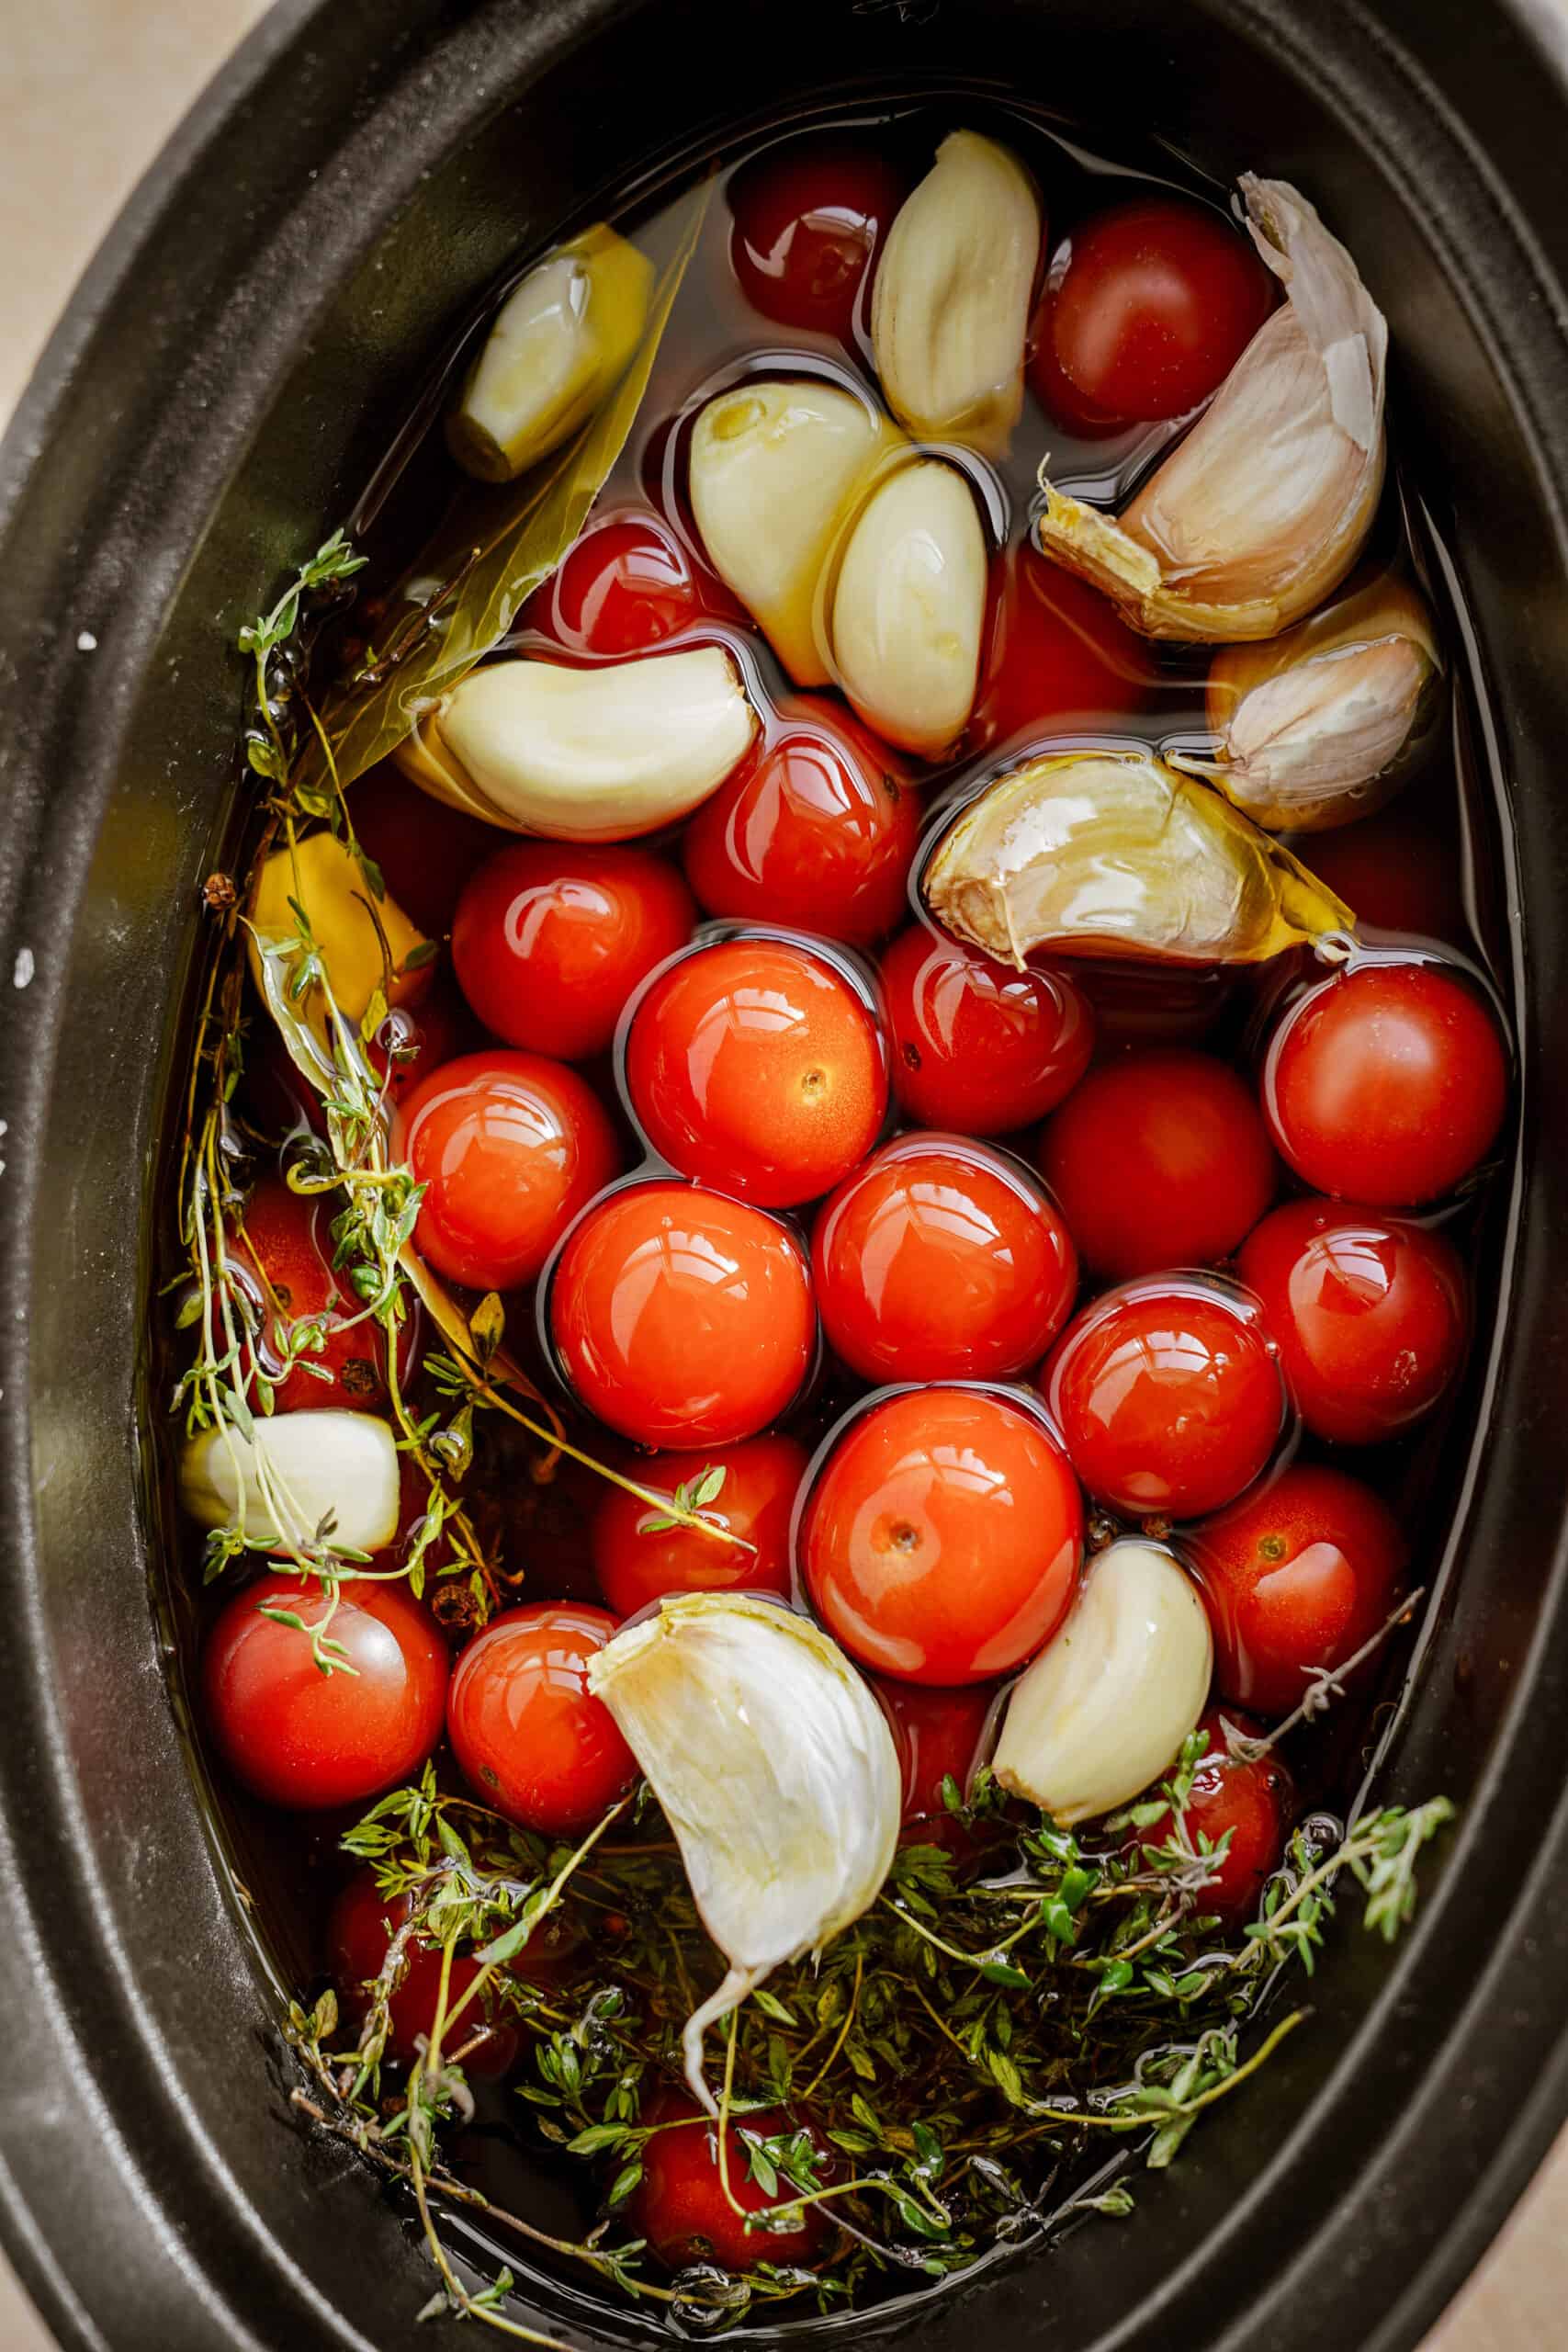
[557,345]
[1261,511]
[950,309]
[1103,1710]
[1115,853]
[1321,726]
[299,1470]
[909,607]
[362,950]
[596,754]
[775,1768]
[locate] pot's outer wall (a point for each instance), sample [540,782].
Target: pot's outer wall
[213,400]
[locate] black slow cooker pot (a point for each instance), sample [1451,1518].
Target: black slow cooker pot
[213,400]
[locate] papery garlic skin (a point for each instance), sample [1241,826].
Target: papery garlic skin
[1116,854]
[1104,1710]
[909,607]
[559,342]
[300,1469]
[1265,506]
[322,874]
[775,1768]
[950,306]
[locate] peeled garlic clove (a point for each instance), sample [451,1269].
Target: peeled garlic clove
[1320,726]
[322,874]
[909,607]
[775,1768]
[1103,1711]
[558,343]
[588,755]
[1261,511]
[1114,854]
[950,310]
[299,1470]
[775,470]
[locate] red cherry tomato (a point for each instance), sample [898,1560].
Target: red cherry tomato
[937,1735]
[941,1540]
[1056,652]
[1154,1005]
[1146,309]
[680,2207]
[637,1564]
[1386,1083]
[306,1740]
[1397,871]
[939,1261]
[529,1734]
[426,850]
[281,1252]
[816,830]
[1167,1397]
[627,584]
[363,1924]
[683,1319]
[977,1048]
[754,1066]
[1159,1160]
[1254,1802]
[807,218]
[510,1146]
[1368,1313]
[552,937]
[1299,1575]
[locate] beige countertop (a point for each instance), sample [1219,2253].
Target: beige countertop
[101,82]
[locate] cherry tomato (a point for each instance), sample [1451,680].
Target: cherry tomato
[816,830]
[637,1563]
[1147,307]
[1296,1576]
[1160,1160]
[306,1740]
[1386,1083]
[978,1047]
[1167,1397]
[529,1737]
[1399,872]
[627,584]
[680,2207]
[1368,1313]
[941,1540]
[426,850]
[1056,652]
[937,1735]
[683,1319]
[939,1261]
[281,1252]
[1254,1802]
[754,1066]
[363,1924]
[552,937]
[807,217]
[510,1146]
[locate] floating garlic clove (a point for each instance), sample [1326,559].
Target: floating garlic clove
[1261,511]
[776,468]
[1321,726]
[775,1770]
[299,1471]
[586,755]
[362,950]
[557,345]
[1104,1710]
[909,607]
[1114,854]
[950,310]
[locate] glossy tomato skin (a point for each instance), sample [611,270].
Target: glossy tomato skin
[807,217]
[1158,1159]
[552,937]
[1386,1083]
[977,1048]
[529,1734]
[426,850]
[510,1147]
[755,1067]
[363,1924]
[682,1318]
[627,585]
[1370,1314]
[815,830]
[282,1251]
[938,1259]
[1167,1397]
[1254,1802]
[943,1536]
[680,2207]
[1056,653]
[1147,307]
[936,1734]
[1299,1575]
[636,1565]
[309,1740]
